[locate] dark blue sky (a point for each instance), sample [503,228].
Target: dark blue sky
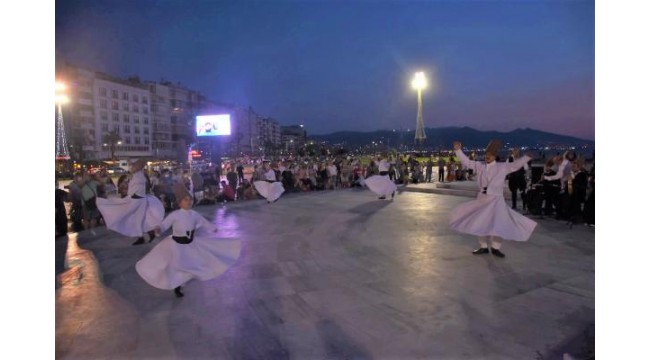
[335,65]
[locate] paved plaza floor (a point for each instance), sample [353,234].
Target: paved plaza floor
[334,275]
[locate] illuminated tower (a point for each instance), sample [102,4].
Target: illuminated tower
[419,83]
[61,142]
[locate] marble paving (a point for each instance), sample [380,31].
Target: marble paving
[334,275]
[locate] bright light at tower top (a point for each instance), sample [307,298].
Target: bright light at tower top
[59,86]
[419,81]
[61,99]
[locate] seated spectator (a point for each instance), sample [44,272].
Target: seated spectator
[227,192]
[288,180]
[248,191]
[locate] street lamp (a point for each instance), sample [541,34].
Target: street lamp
[419,83]
[60,98]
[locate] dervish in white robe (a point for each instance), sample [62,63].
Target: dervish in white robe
[271,189]
[381,185]
[489,215]
[192,251]
[137,213]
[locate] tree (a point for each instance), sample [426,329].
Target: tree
[111,139]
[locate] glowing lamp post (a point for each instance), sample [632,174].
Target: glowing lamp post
[60,98]
[419,83]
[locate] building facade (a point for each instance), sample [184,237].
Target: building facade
[293,137]
[100,105]
[174,109]
[128,118]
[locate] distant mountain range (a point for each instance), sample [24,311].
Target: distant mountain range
[442,138]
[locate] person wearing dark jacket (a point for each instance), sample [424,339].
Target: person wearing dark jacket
[232,177]
[578,195]
[517,183]
[551,189]
[61,218]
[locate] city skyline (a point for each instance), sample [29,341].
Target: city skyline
[347,67]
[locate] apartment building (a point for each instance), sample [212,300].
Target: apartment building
[174,109]
[101,104]
[153,120]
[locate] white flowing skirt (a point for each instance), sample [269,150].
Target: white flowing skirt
[271,191]
[170,264]
[131,217]
[381,185]
[489,215]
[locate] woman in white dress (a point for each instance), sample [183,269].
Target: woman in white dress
[191,251]
[138,213]
[270,188]
[381,184]
[488,216]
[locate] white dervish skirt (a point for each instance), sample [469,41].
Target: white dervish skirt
[381,185]
[271,191]
[131,217]
[170,264]
[489,215]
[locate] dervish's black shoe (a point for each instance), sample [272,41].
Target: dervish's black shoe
[498,253]
[382,198]
[481,251]
[392,195]
[140,241]
[152,235]
[178,292]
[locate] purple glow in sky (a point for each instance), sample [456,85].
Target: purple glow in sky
[334,65]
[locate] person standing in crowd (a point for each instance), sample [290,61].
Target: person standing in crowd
[381,184]
[197,185]
[138,213]
[428,171]
[240,172]
[74,196]
[232,177]
[166,194]
[441,169]
[61,217]
[331,175]
[517,183]
[589,210]
[89,202]
[579,185]
[190,252]
[564,175]
[488,216]
[550,189]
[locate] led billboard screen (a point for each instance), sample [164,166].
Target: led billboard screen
[213,125]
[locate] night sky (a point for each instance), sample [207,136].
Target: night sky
[335,65]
